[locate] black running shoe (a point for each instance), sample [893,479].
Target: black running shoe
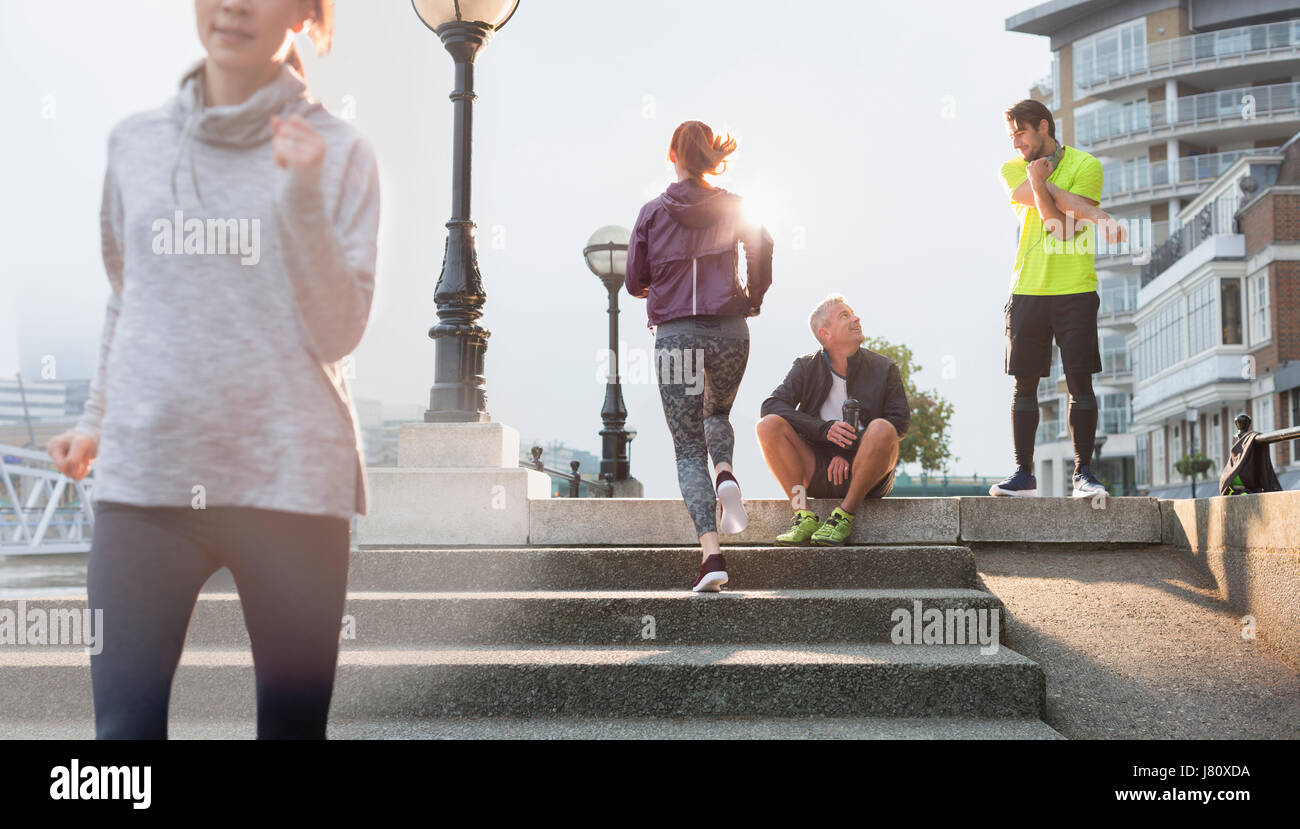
[1021,484]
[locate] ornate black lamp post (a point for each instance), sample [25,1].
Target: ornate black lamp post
[459,392]
[606,255]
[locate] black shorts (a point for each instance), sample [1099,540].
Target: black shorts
[1032,321]
[821,487]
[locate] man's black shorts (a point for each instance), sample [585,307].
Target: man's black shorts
[821,487]
[1033,320]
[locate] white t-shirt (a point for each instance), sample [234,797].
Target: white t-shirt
[833,406]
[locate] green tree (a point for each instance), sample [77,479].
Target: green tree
[927,438]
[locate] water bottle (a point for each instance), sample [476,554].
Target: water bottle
[849,414]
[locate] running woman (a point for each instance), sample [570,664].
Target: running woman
[684,259]
[1055,190]
[239,225]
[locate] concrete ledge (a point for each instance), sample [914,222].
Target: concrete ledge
[450,506]
[1103,520]
[665,521]
[457,445]
[1250,546]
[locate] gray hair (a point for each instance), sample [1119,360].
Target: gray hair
[821,314]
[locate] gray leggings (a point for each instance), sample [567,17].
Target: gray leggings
[700,362]
[146,567]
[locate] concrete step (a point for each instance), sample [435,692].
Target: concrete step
[643,568]
[627,617]
[642,728]
[774,680]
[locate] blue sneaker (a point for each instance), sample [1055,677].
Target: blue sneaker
[1086,484]
[1021,484]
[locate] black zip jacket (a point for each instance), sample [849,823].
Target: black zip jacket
[872,378]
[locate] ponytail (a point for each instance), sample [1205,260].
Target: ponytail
[321,32]
[700,151]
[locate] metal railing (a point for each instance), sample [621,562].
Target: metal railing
[42,510]
[1120,179]
[1049,431]
[1193,51]
[1231,106]
[1279,435]
[1218,217]
[573,477]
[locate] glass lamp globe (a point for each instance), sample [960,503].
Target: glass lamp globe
[606,252]
[492,14]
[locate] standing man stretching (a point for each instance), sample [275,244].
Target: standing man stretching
[1055,191]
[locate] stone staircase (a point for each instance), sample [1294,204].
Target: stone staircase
[567,640]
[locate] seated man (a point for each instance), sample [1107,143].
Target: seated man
[808,446]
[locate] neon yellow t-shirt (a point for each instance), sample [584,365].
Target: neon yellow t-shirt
[1046,265]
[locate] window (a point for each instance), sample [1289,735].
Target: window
[1142,463]
[1114,414]
[1056,81]
[1295,421]
[1135,115]
[1158,457]
[1201,313]
[1230,300]
[1160,340]
[1258,298]
[1262,413]
[1214,441]
[1108,54]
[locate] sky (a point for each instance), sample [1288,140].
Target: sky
[869,142]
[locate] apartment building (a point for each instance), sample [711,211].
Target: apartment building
[1170,95]
[1218,323]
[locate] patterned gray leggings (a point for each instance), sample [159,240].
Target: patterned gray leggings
[699,376]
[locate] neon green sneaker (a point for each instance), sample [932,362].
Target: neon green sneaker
[805,524]
[835,532]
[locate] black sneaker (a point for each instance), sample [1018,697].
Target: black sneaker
[1086,484]
[1021,484]
[713,574]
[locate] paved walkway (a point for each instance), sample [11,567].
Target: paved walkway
[1136,645]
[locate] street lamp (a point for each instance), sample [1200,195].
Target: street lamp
[1191,426]
[459,392]
[606,255]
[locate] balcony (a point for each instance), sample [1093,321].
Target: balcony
[1116,366]
[1227,108]
[1113,421]
[1180,56]
[1126,183]
[1050,431]
[1143,236]
[1218,217]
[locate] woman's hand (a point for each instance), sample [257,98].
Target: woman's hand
[73,453]
[294,143]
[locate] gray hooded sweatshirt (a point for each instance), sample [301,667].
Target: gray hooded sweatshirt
[237,288]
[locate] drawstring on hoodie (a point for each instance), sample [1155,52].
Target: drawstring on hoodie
[240,126]
[187,133]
